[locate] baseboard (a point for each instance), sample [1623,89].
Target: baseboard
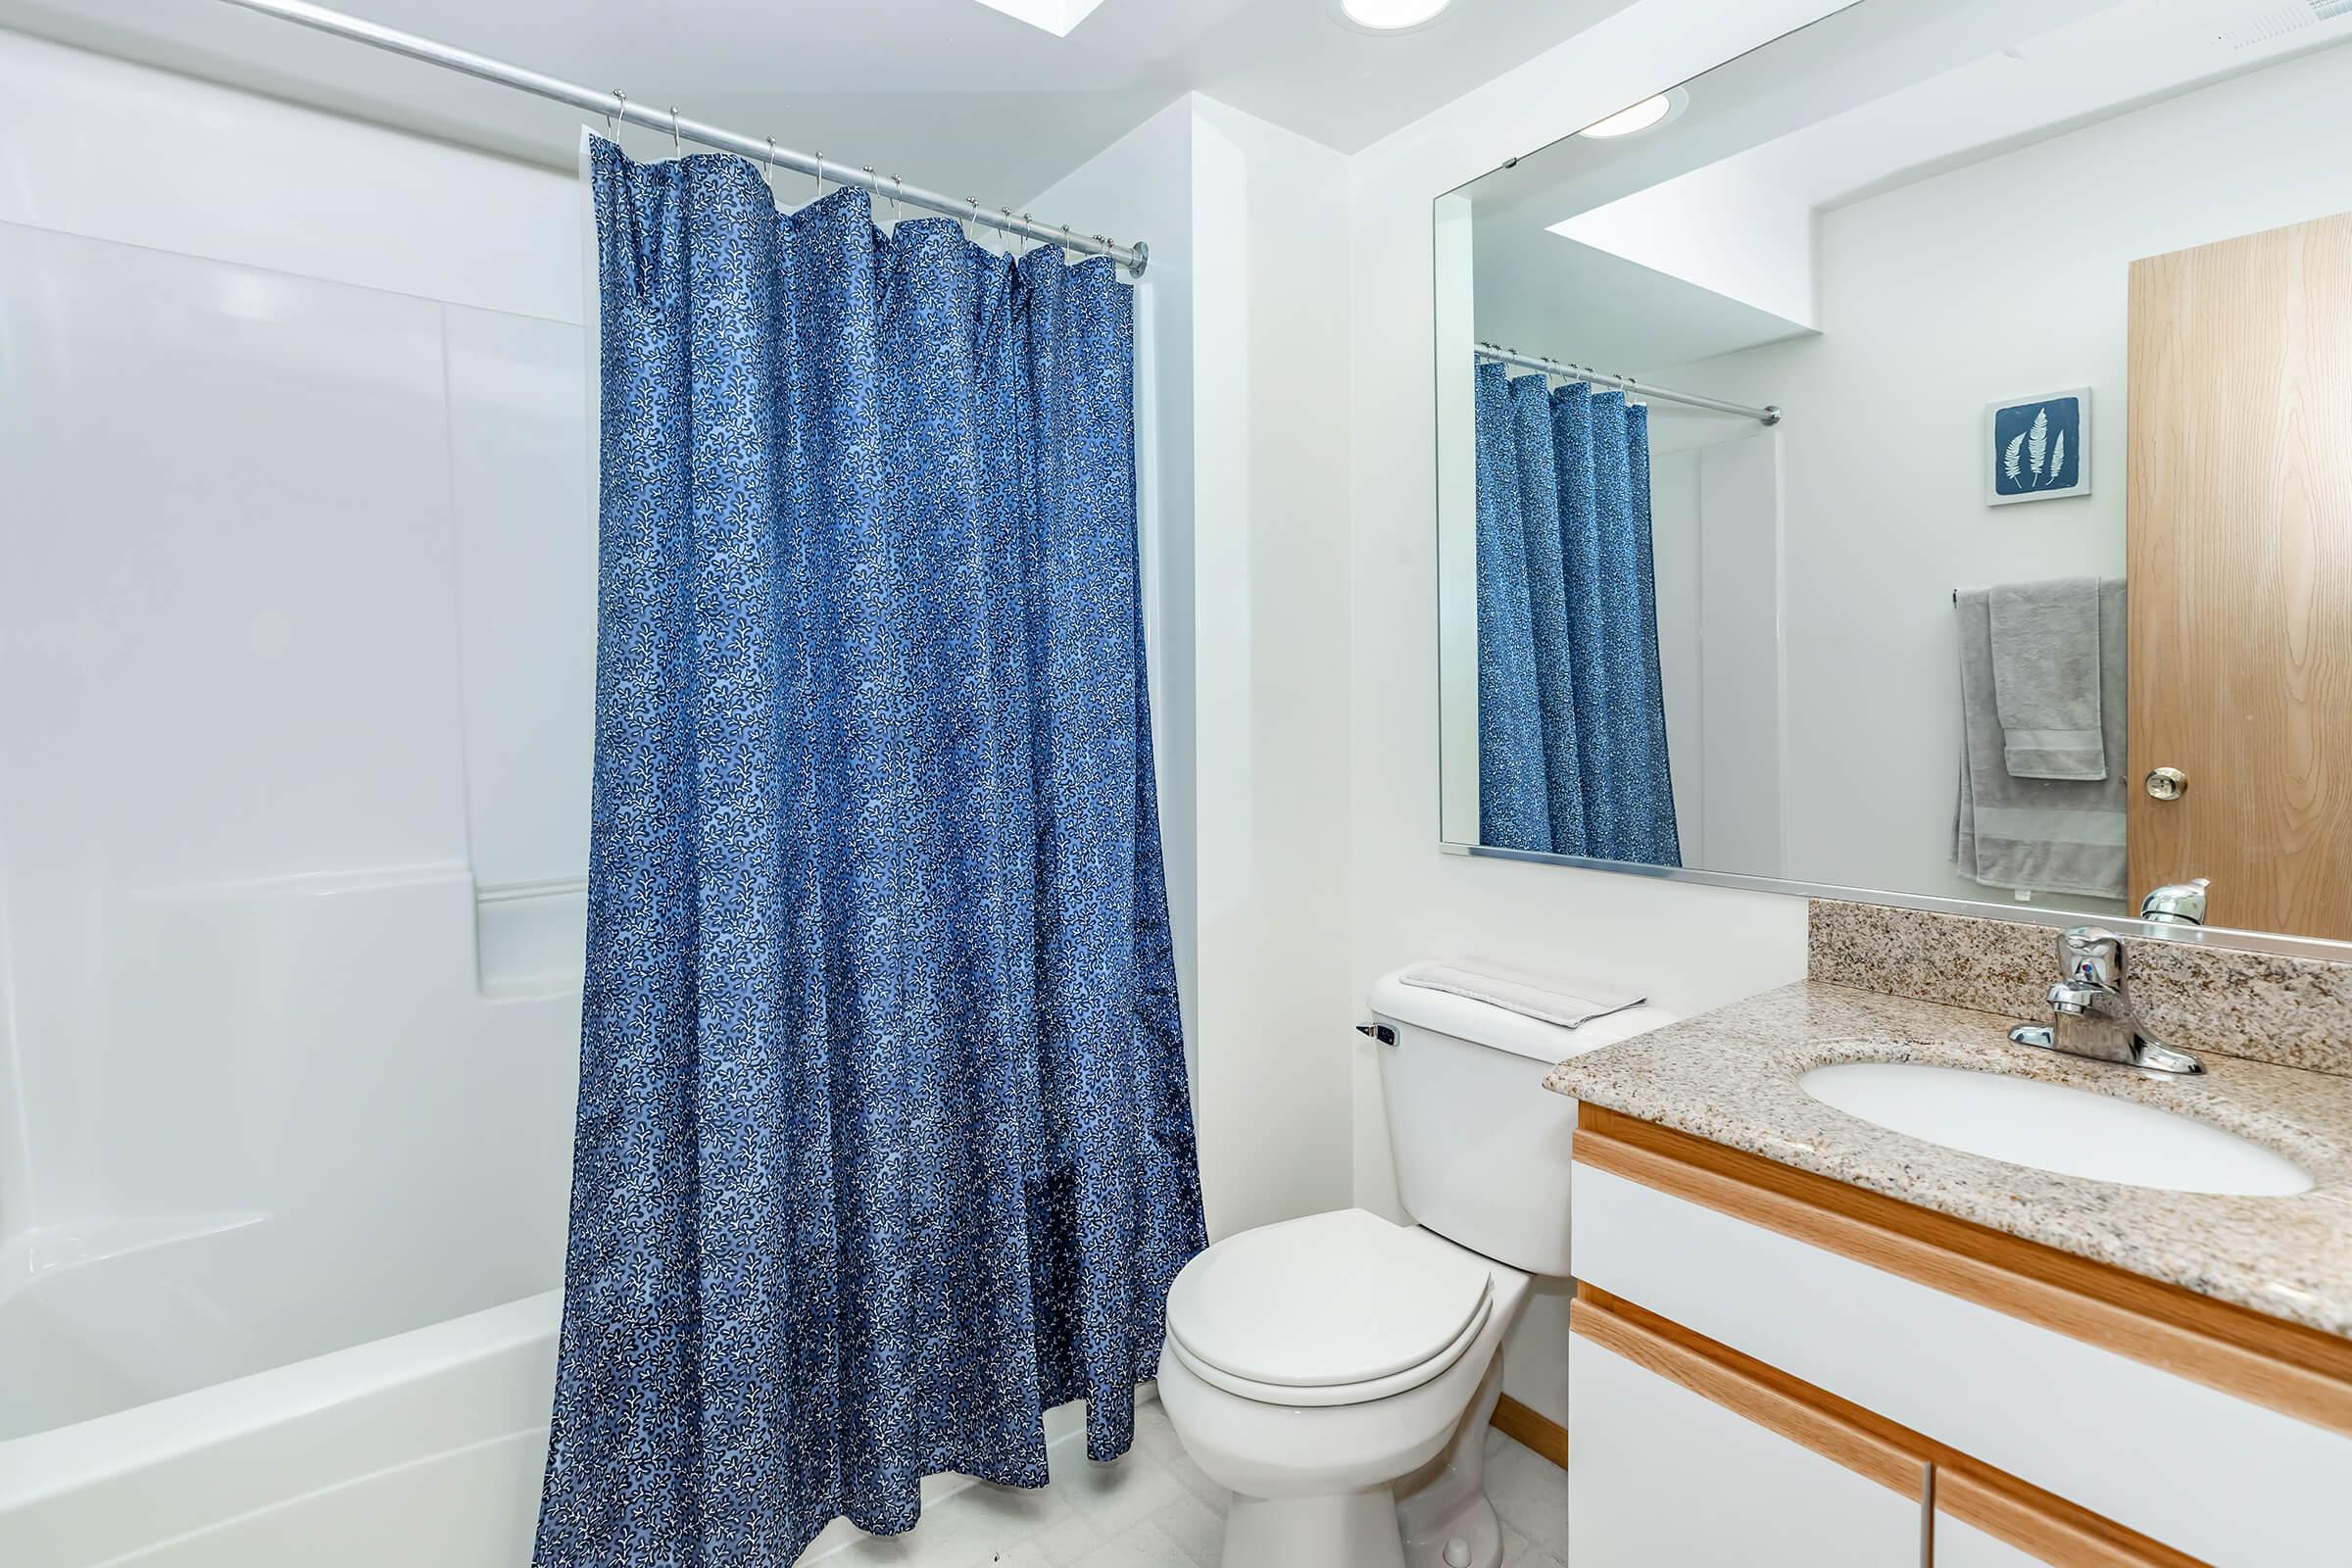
[1540,1432]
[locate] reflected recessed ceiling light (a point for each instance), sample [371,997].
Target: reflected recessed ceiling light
[1057,17]
[1392,16]
[1649,112]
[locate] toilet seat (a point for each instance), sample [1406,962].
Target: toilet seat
[1338,1308]
[1326,1394]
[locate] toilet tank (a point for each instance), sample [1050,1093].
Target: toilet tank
[1481,1147]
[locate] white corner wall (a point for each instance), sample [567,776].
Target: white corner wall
[1247,516]
[1691,948]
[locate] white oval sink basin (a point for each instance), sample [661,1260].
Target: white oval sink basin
[2054,1128]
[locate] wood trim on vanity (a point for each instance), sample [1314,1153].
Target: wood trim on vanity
[1532,1428]
[2300,1371]
[2043,1525]
[2039,1523]
[1835,1429]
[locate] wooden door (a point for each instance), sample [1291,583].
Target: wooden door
[2241,561]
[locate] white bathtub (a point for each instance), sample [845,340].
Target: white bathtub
[311,1324]
[419,1448]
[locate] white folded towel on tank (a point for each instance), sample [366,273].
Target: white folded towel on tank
[1554,999]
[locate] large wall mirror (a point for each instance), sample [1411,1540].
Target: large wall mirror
[1916,458]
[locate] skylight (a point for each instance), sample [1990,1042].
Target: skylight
[1057,17]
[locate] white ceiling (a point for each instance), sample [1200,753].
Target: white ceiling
[954,94]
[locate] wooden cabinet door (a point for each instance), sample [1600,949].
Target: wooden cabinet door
[2241,561]
[1660,1474]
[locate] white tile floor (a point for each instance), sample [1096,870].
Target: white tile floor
[1152,1510]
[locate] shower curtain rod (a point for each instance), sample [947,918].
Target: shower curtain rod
[760,150]
[1770,414]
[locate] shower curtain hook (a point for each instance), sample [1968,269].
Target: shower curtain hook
[621,107]
[870,182]
[768,171]
[1066,242]
[819,172]
[677,146]
[898,214]
[973,202]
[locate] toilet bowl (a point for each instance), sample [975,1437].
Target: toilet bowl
[1351,1423]
[1337,1373]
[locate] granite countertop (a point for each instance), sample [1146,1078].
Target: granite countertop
[1729,1076]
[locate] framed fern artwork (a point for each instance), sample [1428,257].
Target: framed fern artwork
[2040,447]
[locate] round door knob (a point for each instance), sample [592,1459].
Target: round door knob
[2168,783]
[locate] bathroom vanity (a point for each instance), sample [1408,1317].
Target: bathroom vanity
[1801,1339]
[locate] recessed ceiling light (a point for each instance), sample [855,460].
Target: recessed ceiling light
[1392,16]
[1057,17]
[1646,115]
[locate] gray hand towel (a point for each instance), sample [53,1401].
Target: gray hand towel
[1570,1004]
[2051,835]
[2045,678]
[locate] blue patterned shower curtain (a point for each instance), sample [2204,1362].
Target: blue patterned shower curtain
[1571,710]
[884,1141]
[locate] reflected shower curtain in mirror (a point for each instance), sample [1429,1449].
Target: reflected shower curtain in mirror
[1571,710]
[884,1141]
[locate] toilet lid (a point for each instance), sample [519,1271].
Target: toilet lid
[1334,1298]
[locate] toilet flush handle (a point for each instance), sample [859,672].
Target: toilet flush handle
[1378,1031]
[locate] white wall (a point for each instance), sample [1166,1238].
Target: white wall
[1937,298]
[1250,342]
[115,151]
[284,400]
[1675,530]
[1715,518]
[1690,947]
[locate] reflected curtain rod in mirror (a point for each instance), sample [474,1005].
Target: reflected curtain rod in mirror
[1770,414]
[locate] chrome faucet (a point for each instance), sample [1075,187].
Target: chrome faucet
[2090,1007]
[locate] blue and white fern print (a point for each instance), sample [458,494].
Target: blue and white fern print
[2037,445]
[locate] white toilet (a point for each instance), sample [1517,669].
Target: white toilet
[1338,1372]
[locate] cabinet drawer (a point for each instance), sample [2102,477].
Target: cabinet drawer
[1679,1439]
[1960,1349]
[1673,1475]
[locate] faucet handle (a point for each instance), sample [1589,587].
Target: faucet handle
[2090,956]
[2071,999]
